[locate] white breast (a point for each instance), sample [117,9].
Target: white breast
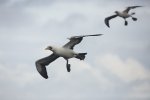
[64,52]
[125,15]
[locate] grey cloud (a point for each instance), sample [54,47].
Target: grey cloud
[3,2]
[26,29]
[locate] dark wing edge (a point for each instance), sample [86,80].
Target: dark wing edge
[92,35]
[41,63]
[109,18]
[76,40]
[130,7]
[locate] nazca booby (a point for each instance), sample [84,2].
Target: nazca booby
[66,52]
[124,14]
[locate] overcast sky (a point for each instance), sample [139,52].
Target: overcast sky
[117,65]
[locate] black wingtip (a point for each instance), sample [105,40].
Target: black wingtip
[44,74]
[109,18]
[46,77]
[140,6]
[107,23]
[95,35]
[41,69]
[99,34]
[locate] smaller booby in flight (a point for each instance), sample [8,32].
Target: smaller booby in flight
[66,52]
[124,14]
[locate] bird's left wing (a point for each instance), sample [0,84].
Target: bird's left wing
[109,18]
[74,40]
[129,8]
[41,63]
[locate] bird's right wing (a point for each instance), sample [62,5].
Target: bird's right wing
[109,18]
[129,8]
[91,35]
[74,40]
[41,63]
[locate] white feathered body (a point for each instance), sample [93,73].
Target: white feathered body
[123,14]
[64,52]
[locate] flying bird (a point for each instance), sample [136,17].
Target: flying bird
[124,14]
[65,51]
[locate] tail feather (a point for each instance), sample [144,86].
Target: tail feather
[133,13]
[125,23]
[134,19]
[81,56]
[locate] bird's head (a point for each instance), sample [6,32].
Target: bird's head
[49,48]
[116,12]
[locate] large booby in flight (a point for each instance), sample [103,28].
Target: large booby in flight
[66,52]
[124,14]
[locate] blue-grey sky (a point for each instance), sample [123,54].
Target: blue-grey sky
[117,65]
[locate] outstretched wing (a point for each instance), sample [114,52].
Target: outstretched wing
[76,40]
[73,41]
[109,18]
[90,35]
[129,8]
[41,63]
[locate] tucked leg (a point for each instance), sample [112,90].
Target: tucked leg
[125,23]
[68,66]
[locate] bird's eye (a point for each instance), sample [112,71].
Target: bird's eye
[50,48]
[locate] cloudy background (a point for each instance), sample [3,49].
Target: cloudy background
[117,66]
